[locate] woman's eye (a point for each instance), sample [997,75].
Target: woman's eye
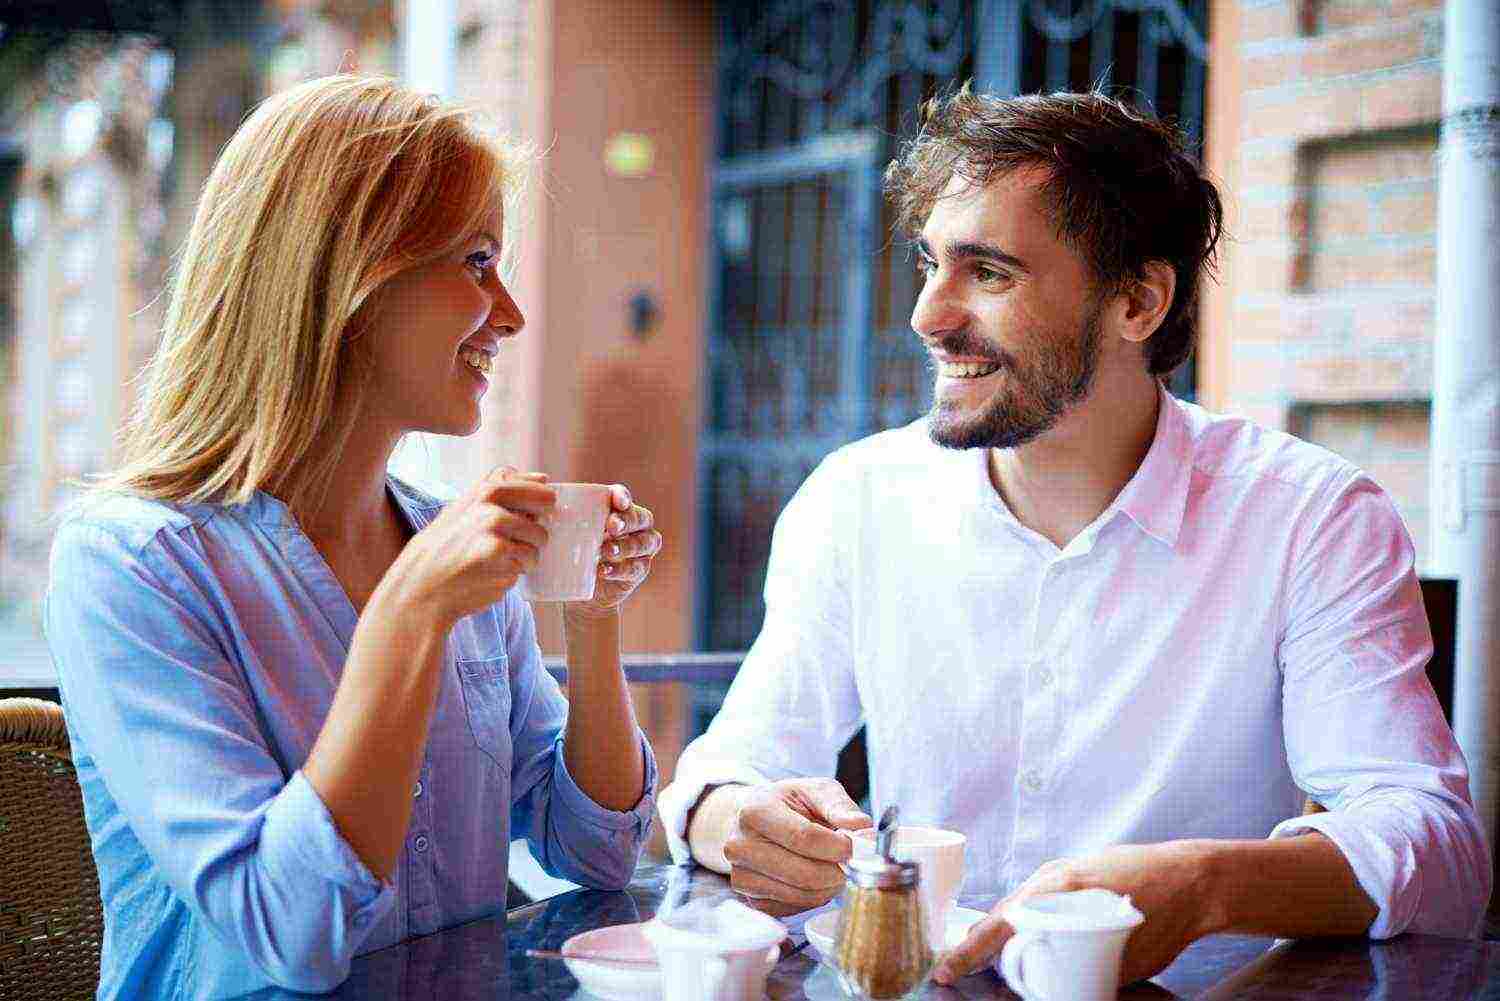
[480,263]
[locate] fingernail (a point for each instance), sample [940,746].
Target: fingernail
[614,550]
[607,568]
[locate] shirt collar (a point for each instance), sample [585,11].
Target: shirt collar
[1156,496]
[418,506]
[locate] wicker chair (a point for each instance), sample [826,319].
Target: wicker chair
[51,921]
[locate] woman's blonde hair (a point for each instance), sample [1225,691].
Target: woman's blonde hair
[327,190]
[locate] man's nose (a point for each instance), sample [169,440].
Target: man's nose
[937,311]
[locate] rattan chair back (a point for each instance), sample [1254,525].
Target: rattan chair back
[51,921]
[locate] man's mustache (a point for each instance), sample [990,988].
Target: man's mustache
[969,345]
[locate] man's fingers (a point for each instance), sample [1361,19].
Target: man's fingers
[829,803]
[757,885]
[978,949]
[779,823]
[778,863]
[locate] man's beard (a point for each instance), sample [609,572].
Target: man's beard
[1030,401]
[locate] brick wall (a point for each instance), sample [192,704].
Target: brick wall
[1324,130]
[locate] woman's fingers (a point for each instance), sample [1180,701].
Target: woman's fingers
[646,543]
[530,496]
[631,571]
[636,519]
[518,527]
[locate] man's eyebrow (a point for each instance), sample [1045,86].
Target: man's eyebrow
[970,250]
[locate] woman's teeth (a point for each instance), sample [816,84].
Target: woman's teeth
[960,370]
[476,360]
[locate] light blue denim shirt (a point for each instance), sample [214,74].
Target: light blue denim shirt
[198,648]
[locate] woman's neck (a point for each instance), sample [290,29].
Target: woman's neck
[354,503]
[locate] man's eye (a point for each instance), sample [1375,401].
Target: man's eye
[989,274]
[926,267]
[480,263]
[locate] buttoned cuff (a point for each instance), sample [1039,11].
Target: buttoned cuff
[298,822]
[693,779]
[1381,865]
[582,806]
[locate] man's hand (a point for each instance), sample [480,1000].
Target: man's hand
[1166,882]
[785,843]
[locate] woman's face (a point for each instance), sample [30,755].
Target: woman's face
[432,338]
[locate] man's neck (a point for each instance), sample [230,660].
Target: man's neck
[1058,484]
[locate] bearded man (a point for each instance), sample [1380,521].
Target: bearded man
[1111,637]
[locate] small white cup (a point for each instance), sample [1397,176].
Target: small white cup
[1068,946]
[719,954]
[940,852]
[568,565]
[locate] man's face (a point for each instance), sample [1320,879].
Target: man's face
[1008,313]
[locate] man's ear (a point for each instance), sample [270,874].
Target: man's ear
[1147,300]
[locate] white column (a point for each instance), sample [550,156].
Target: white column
[1466,385]
[428,35]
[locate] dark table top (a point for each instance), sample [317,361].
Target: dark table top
[487,960]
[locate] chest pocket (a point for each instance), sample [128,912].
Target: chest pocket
[485,685]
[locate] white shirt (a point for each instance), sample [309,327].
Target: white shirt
[1242,623]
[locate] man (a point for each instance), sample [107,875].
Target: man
[1111,637]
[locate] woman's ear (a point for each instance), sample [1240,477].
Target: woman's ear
[1147,300]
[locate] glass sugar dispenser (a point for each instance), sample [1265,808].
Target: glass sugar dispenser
[881,950]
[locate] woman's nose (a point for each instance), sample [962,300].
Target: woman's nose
[505,315]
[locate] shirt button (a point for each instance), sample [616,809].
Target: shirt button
[1031,780]
[420,844]
[417,792]
[1044,677]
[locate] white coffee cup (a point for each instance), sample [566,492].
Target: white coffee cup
[568,565]
[715,952]
[940,853]
[1068,946]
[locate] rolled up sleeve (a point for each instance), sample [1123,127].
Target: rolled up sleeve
[150,688]
[570,835]
[1365,734]
[794,704]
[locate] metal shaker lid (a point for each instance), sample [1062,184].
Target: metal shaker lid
[875,873]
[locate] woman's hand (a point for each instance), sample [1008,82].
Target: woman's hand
[631,542]
[474,551]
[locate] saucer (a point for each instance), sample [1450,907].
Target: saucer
[821,929]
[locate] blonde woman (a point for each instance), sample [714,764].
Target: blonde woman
[306,703]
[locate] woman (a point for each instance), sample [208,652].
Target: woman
[306,703]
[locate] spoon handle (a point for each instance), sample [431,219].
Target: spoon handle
[640,964]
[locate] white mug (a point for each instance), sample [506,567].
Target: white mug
[940,852]
[1068,946]
[568,564]
[719,953]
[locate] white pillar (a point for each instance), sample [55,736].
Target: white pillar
[428,34]
[429,31]
[1466,385]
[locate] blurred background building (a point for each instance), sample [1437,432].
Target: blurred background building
[714,297]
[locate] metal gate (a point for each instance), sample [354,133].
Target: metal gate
[808,343]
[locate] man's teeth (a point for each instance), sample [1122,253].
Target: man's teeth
[960,370]
[476,359]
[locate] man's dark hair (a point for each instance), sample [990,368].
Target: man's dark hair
[1122,186]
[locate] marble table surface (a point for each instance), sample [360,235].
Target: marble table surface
[487,960]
